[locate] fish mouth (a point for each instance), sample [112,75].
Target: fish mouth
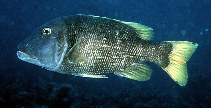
[28,58]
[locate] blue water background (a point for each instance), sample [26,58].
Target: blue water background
[26,85]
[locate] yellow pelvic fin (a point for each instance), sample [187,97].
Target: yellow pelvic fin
[91,75]
[138,72]
[180,54]
[144,32]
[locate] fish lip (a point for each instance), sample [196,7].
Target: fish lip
[22,55]
[28,58]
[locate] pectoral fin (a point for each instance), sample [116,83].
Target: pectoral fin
[139,72]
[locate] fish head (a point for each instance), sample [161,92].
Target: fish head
[45,46]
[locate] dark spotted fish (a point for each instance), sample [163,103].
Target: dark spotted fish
[92,46]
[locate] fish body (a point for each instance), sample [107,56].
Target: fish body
[92,46]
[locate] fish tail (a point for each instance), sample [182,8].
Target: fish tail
[179,55]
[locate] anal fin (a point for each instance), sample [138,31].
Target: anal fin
[139,72]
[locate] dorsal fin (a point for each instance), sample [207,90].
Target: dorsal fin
[144,32]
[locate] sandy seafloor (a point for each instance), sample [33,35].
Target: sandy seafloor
[23,85]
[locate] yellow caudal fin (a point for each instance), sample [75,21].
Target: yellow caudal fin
[180,54]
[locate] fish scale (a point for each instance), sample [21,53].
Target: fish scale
[98,43]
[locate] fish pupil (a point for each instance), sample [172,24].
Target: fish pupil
[46,31]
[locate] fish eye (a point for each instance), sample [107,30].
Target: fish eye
[46,31]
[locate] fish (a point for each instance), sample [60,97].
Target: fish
[93,46]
